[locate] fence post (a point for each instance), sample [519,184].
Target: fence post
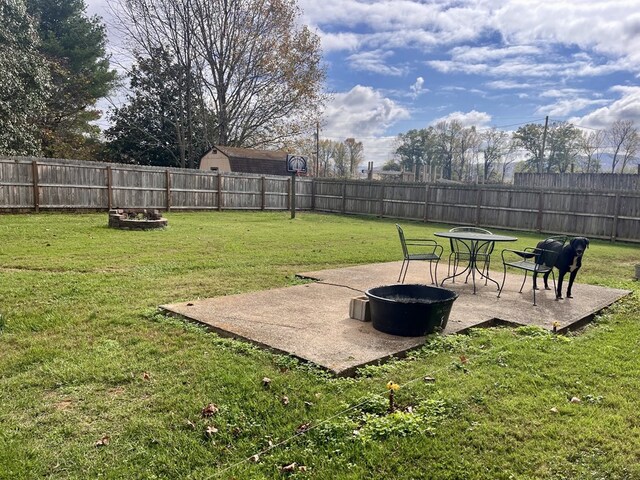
[616,213]
[313,194]
[381,214]
[36,188]
[168,182]
[263,197]
[479,193]
[109,188]
[344,196]
[219,192]
[426,203]
[540,206]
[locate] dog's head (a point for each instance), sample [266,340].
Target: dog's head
[579,245]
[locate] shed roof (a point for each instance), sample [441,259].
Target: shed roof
[249,160]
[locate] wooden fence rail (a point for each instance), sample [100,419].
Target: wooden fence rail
[36,184]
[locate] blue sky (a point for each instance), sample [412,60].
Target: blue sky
[399,64]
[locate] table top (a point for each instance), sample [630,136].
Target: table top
[477,236]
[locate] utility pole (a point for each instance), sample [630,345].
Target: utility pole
[544,141]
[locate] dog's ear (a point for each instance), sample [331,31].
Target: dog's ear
[586,242]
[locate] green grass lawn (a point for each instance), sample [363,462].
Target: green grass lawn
[95,383]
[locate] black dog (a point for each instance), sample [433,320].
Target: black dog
[569,261]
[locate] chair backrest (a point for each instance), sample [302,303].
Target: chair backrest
[470,229]
[460,246]
[405,250]
[549,249]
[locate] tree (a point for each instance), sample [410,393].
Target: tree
[326,149]
[411,149]
[630,147]
[497,149]
[255,64]
[152,129]
[354,154]
[468,145]
[391,166]
[563,142]
[529,137]
[447,143]
[24,81]
[340,160]
[620,137]
[74,48]
[591,147]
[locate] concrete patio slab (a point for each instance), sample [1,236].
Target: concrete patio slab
[312,321]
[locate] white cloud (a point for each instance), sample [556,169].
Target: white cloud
[364,114]
[508,85]
[467,119]
[627,107]
[605,26]
[565,107]
[485,54]
[362,111]
[417,88]
[374,61]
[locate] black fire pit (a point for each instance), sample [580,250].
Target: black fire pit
[410,310]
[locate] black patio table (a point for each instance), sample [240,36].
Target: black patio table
[474,241]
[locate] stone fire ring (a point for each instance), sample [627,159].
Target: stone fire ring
[136,219]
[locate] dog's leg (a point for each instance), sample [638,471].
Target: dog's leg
[561,275]
[535,281]
[546,280]
[572,277]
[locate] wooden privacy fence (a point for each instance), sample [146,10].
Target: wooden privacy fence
[36,184]
[590,181]
[608,215]
[53,185]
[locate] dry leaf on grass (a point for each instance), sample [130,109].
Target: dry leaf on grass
[575,400]
[210,431]
[289,468]
[429,379]
[285,400]
[303,428]
[255,458]
[266,382]
[554,410]
[210,410]
[103,442]
[146,376]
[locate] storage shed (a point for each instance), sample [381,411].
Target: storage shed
[246,160]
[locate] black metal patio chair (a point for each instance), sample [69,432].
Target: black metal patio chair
[537,260]
[422,249]
[461,251]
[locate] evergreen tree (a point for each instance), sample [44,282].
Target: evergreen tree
[74,47]
[24,81]
[152,129]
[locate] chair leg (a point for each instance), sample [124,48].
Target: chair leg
[436,272]
[405,271]
[523,281]
[487,264]
[504,277]
[402,269]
